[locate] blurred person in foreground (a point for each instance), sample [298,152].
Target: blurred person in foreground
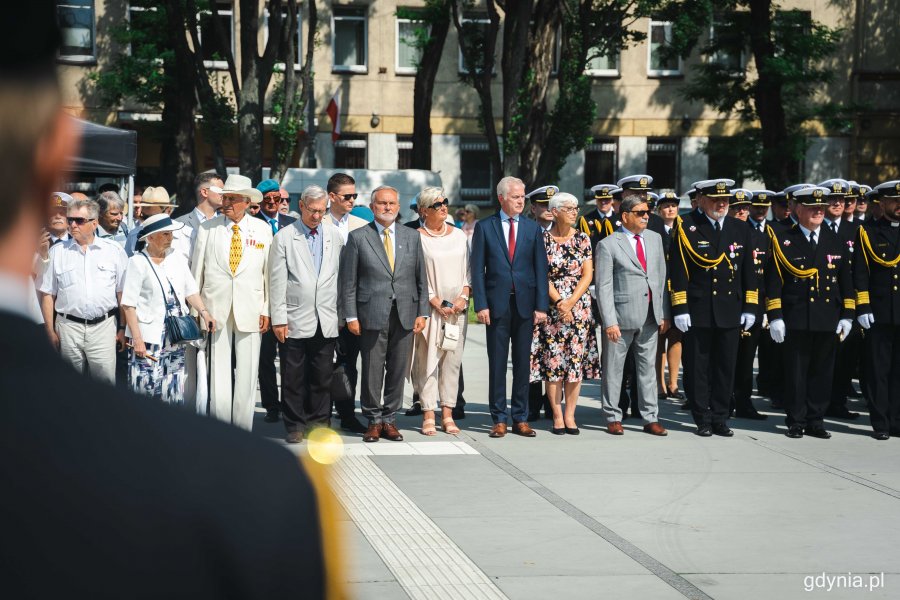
[171,504]
[438,353]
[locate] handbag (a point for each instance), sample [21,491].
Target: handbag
[180,328]
[449,338]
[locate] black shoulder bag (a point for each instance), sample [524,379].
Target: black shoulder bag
[180,328]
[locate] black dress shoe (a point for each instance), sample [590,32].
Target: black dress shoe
[573,431]
[685,406]
[881,436]
[353,425]
[661,396]
[841,413]
[750,414]
[558,430]
[704,431]
[458,413]
[817,432]
[294,437]
[794,431]
[414,411]
[273,415]
[777,404]
[676,394]
[722,429]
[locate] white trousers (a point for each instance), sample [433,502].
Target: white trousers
[233,405]
[89,348]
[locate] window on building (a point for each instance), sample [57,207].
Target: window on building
[602,65]
[350,152]
[599,164]
[409,33]
[729,56]
[298,41]
[659,62]
[76,24]
[214,52]
[349,39]
[476,178]
[404,152]
[662,163]
[476,30]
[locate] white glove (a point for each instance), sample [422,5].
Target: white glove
[747,320]
[843,328]
[866,320]
[683,323]
[765,322]
[776,330]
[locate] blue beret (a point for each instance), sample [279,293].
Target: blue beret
[268,185]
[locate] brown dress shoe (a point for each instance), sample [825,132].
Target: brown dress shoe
[523,429]
[294,437]
[655,429]
[372,433]
[498,430]
[390,431]
[615,428]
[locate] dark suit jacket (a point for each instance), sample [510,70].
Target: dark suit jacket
[414,224]
[493,275]
[876,285]
[713,297]
[810,304]
[368,287]
[108,494]
[283,220]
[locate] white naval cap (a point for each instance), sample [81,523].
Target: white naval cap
[640,183]
[542,194]
[714,188]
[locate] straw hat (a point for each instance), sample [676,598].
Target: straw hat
[155,196]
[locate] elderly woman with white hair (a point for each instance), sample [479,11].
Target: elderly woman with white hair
[439,347]
[564,348]
[158,282]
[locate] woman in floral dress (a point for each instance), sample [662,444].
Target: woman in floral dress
[564,347]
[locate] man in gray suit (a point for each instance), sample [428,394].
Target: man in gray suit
[303,289]
[384,298]
[630,280]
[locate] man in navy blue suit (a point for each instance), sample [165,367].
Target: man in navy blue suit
[509,282]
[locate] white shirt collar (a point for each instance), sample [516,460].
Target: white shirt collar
[243,224]
[381,228]
[342,220]
[202,218]
[806,231]
[836,222]
[713,221]
[506,217]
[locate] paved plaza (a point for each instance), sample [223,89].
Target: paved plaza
[600,516]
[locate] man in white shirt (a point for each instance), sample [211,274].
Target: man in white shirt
[80,291]
[341,195]
[230,265]
[112,213]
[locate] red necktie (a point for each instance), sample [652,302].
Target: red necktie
[639,249]
[512,239]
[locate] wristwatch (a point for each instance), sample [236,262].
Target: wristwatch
[464,297]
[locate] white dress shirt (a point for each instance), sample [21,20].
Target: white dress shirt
[85,283]
[393,230]
[713,222]
[342,225]
[142,290]
[806,233]
[833,225]
[632,239]
[504,222]
[201,216]
[759,225]
[244,230]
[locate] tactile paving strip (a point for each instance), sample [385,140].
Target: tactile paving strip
[426,563]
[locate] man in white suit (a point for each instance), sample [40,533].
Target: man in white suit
[303,289]
[230,264]
[630,279]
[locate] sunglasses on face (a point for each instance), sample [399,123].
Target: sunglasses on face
[439,205]
[640,213]
[78,220]
[348,197]
[272,198]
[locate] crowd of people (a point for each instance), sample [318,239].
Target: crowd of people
[812,292]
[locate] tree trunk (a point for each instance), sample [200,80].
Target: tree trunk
[423,92]
[515,66]
[779,165]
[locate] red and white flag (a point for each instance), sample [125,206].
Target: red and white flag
[334,111]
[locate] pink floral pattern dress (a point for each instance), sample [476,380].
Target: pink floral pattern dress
[566,351]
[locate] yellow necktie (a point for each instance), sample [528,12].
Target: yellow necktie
[389,248]
[237,249]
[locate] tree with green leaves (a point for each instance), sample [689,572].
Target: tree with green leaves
[775,93]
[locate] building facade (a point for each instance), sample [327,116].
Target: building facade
[643,123]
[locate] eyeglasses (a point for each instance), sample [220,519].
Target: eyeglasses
[285,200]
[78,220]
[439,205]
[568,209]
[233,199]
[272,198]
[313,212]
[640,213]
[347,197]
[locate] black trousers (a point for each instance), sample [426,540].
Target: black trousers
[808,363]
[712,355]
[845,364]
[882,377]
[306,369]
[347,354]
[770,378]
[268,383]
[743,371]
